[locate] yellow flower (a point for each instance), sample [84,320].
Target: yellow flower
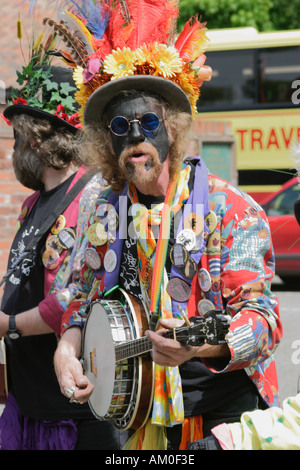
[77,76]
[81,96]
[165,60]
[120,63]
[143,54]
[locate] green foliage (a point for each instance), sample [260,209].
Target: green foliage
[41,92]
[264,15]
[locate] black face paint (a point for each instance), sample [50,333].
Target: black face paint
[133,108]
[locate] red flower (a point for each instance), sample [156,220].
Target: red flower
[19,101]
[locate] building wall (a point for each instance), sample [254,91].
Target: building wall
[12,194]
[13,56]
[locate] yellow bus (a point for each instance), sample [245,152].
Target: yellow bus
[255,90]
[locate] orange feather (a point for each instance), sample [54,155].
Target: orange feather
[150,21]
[192,40]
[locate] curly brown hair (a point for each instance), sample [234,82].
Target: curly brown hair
[55,147]
[94,145]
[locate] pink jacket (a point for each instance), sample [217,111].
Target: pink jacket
[50,309]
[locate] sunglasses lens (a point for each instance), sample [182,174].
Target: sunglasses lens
[119,125]
[149,122]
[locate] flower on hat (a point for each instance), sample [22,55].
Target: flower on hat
[165,60]
[120,63]
[133,38]
[78,76]
[19,101]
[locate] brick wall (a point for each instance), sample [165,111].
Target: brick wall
[12,194]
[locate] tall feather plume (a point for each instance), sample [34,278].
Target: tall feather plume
[173,27]
[95,14]
[150,21]
[78,28]
[192,41]
[76,47]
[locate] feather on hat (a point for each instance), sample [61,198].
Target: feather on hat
[132,44]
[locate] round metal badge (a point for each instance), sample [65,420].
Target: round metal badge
[211,222]
[96,234]
[53,244]
[204,279]
[187,238]
[190,268]
[194,222]
[205,306]
[112,219]
[66,238]
[50,259]
[178,255]
[178,289]
[58,225]
[110,261]
[24,212]
[92,258]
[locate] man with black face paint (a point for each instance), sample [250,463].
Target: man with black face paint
[139,142]
[166,238]
[141,154]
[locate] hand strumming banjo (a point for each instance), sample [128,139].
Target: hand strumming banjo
[116,356]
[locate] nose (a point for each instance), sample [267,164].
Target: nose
[135,133]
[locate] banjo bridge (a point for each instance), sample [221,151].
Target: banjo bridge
[92,361]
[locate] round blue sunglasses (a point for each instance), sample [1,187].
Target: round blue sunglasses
[120,125]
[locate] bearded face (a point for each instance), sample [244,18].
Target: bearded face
[27,167]
[141,153]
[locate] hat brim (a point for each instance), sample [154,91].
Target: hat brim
[18,109]
[162,87]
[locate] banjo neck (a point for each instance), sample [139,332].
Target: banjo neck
[132,348]
[211,329]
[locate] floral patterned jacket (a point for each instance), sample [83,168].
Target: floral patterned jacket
[239,262]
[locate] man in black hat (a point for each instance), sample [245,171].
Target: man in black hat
[37,416]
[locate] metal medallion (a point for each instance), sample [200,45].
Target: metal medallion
[194,222]
[178,289]
[50,259]
[205,306]
[66,238]
[190,268]
[187,238]
[204,279]
[110,261]
[53,244]
[211,222]
[92,258]
[58,225]
[178,255]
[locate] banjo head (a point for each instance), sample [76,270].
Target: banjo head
[99,359]
[116,380]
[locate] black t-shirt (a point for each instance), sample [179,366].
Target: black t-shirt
[31,374]
[203,390]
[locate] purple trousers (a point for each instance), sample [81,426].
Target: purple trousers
[21,433]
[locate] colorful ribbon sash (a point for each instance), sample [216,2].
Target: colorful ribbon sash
[168,402]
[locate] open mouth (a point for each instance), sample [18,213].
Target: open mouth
[138,157]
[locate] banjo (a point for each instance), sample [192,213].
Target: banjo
[116,356]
